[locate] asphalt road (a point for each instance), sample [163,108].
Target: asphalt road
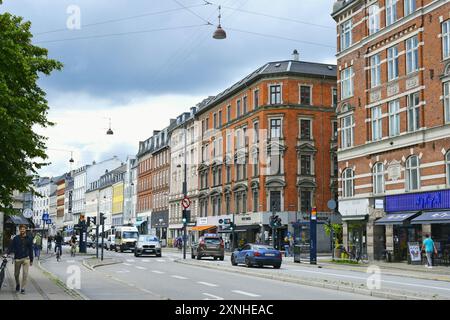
[162,278]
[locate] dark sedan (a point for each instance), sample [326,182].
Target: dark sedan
[257,255]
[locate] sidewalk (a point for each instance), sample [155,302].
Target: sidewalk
[41,286]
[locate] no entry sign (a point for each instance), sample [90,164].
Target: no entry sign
[186,203]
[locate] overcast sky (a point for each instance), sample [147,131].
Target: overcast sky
[142,62]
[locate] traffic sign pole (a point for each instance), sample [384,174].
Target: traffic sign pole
[313,237]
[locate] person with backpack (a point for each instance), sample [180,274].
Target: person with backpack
[37,245]
[22,247]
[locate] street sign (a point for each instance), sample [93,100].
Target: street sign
[27,213]
[45,216]
[186,203]
[331,204]
[49,221]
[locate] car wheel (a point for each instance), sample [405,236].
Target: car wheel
[248,264]
[215,258]
[233,262]
[199,257]
[121,249]
[277,266]
[115,249]
[222,258]
[136,254]
[159,255]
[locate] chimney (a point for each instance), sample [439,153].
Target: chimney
[295,55]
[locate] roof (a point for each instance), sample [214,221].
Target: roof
[340,4]
[277,68]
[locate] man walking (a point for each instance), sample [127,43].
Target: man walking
[22,247]
[430,248]
[37,245]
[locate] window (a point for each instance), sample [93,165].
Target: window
[215,120]
[394,118]
[275,94]
[244,104]
[238,108]
[228,113]
[228,169]
[447,167]
[412,54]
[275,128]
[256,132]
[391,12]
[412,173]
[447,101]
[305,165]
[378,178]
[392,63]
[220,119]
[375,70]
[255,200]
[347,131]
[334,130]
[374,18]
[413,112]
[229,140]
[377,125]
[305,200]
[255,161]
[347,183]
[305,129]
[346,83]
[334,97]
[256,98]
[409,7]
[305,95]
[446,39]
[346,34]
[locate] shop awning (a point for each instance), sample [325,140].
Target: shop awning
[17,220]
[202,228]
[396,218]
[359,217]
[432,217]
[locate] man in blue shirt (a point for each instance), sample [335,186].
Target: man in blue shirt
[22,247]
[430,248]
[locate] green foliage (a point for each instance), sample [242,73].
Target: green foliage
[337,230]
[22,107]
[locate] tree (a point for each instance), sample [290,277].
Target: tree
[22,107]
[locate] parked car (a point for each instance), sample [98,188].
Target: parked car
[257,255]
[147,244]
[209,245]
[125,238]
[109,243]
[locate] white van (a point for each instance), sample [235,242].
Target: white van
[125,238]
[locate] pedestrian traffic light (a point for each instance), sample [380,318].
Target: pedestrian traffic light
[102,218]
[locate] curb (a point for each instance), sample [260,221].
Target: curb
[101,264]
[320,283]
[73,293]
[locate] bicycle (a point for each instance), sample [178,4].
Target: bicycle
[2,270]
[58,253]
[73,250]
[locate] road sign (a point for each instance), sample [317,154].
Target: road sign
[49,221]
[186,203]
[331,204]
[27,213]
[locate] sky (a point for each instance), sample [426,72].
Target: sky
[139,63]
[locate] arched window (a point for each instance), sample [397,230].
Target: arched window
[378,178]
[412,173]
[447,167]
[347,183]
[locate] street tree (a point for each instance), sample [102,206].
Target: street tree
[23,107]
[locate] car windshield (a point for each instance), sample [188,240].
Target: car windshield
[147,238]
[262,248]
[212,241]
[130,234]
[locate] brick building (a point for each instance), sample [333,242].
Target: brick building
[144,185]
[268,144]
[394,122]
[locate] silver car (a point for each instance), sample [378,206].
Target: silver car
[147,244]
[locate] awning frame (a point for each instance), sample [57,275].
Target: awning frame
[203,228]
[386,220]
[428,221]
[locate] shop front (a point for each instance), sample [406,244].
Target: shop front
[160,223]
[429,214]
[213,224]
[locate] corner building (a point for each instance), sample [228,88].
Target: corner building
[267,143]
[394,124]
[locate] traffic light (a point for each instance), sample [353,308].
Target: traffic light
[102,218]
[186,216]
[275,221]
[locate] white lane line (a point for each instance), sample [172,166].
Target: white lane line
[212,296]
[161,260]
[146,291]
[386,281]
[130,260]
[126,264]
[122,271]
[140,268]
[246,293]
[207,284]
[70,261]
[145,260]
[179,277]
[158,272]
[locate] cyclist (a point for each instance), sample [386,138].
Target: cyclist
[73,245]
[58,243]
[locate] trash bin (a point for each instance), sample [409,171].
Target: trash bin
[297,251]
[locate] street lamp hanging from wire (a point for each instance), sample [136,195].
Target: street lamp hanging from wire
[219,34]
[109,132]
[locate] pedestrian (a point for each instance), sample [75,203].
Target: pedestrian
[37,245]
[286,247]
[291,245]
[22,247]
[430,248]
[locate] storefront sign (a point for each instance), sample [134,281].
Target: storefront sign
[414,252]
[379,204]
[202,221]
[418,201]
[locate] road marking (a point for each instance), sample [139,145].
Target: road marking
[212,296]
[147,291]
[145,260]
[365,279]
[207,284]
[157,271]
[122,271]
[70,261]
[141,268]
[161,260]
[130,260]
[179,277]
[246,293]
[126,264]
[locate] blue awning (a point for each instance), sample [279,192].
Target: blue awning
[396,218]
[138,223]
[432,217]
